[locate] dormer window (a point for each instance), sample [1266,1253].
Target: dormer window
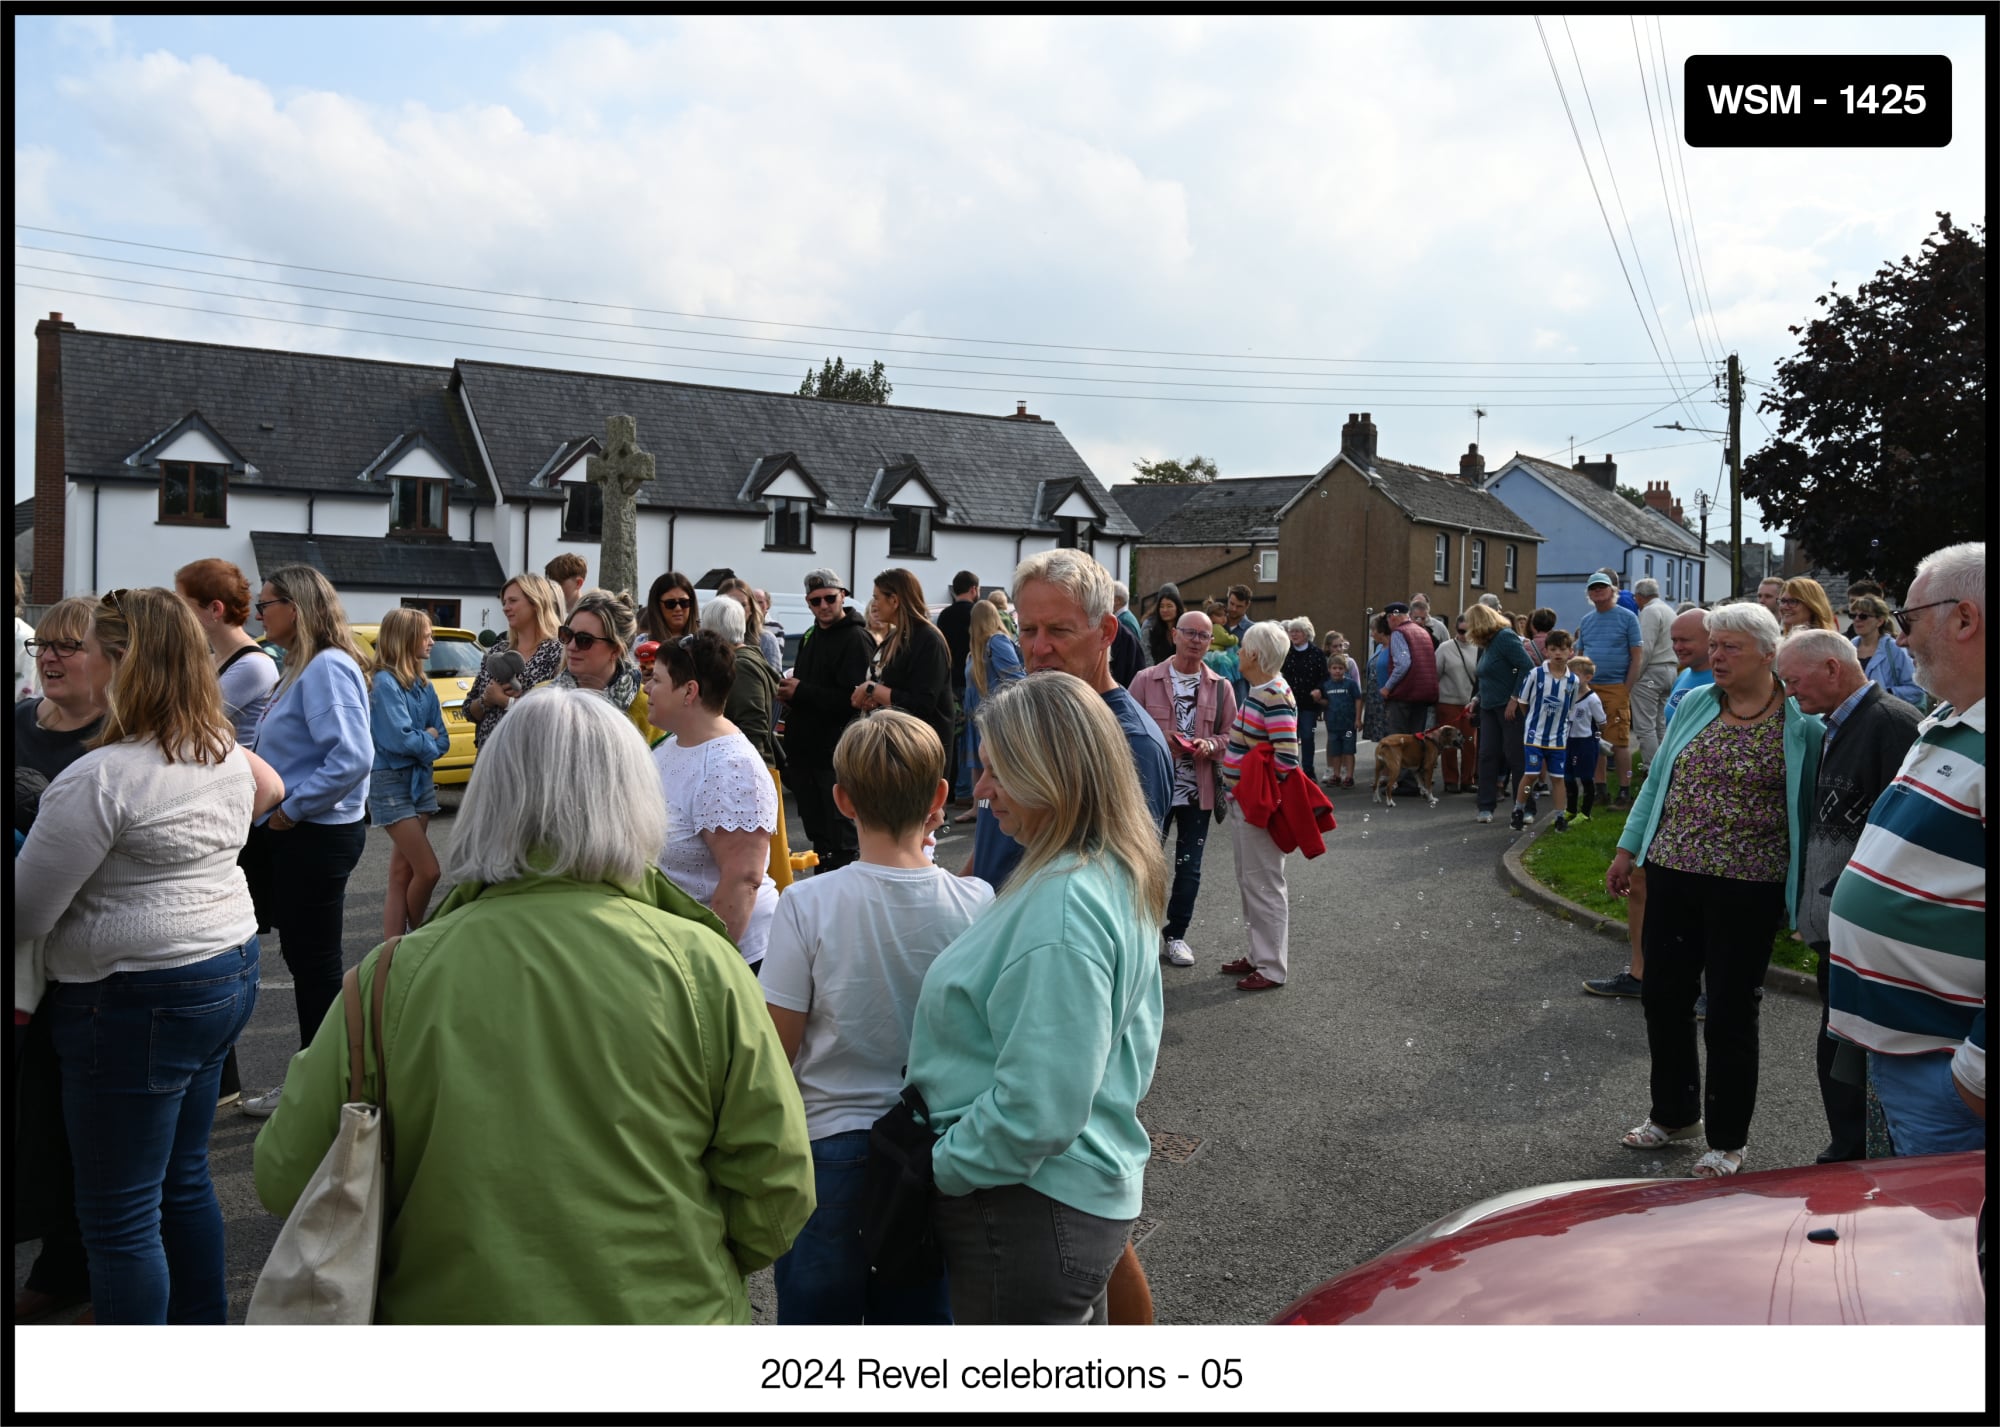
[788,523]
[416,507]
[911,533]
[194,493]
[1076,533]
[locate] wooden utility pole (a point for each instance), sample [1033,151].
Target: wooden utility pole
[1735,475]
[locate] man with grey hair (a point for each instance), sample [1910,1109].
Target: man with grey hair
[1868,732]
[819,704]
[1907,925]
[1655,676]
[1490,600]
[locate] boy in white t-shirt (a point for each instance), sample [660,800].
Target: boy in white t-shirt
[1550,695]
[846,959]
[1586,721]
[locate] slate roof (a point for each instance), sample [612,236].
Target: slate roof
[367,561]
[329,417]
[1147,505]
[706,440]
[1228,512]
[1635,524]
[24,515]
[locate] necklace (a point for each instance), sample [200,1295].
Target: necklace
[1749,718]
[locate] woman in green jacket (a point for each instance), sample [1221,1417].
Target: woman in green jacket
[593,1119]
[1037,1029]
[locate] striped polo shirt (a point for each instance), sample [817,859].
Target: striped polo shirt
[1907,970]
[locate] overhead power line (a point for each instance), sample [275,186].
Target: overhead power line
[1687,196]
[1589,441]
[811,326]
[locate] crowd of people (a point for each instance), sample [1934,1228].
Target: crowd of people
[634,1051]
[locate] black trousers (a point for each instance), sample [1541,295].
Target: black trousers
[1846,1104]
[1501,755]
[832,836]
[41,1173]
[1714,930]
[305,870]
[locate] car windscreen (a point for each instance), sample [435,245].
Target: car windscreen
[454,657]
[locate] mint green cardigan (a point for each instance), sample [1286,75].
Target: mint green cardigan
[1698,709]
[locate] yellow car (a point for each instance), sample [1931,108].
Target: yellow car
[454,663]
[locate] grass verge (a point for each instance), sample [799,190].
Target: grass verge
[1572,863]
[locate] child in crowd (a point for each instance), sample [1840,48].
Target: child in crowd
[1550,696]
[847,956]
[1342,713]
[1586,723]
[408,725]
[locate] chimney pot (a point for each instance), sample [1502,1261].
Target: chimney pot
[55,317]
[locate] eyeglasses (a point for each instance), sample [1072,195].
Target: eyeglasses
[584,642]
[61,648]
[817,600]
[1195,636]
[263,605]
[1787,599]
[1902,616]
[674,602]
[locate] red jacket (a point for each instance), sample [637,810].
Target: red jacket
[1294,811]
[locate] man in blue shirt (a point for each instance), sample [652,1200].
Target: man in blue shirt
[1610,635]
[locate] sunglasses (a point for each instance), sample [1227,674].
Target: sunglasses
[1859,614]
[584,642]
[674,602]
[1902,616]
[263,605]
[817,600]
[61,648]
[111,598]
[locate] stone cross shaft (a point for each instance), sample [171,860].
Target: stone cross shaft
[619,472]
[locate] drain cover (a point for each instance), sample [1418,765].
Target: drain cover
[1143,1226]
[1175,1149]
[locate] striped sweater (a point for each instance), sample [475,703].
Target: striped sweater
[1908,920]
[1269,714]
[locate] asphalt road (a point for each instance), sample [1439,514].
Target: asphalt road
[1431,1048]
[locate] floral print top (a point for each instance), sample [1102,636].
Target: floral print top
[544,664]
[1724,814]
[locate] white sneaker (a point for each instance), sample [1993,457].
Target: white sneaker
[260,1107]
[1485,817]
[1177,952]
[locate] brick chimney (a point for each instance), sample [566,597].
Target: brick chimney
[1472,465]
[50,480]
[1662,500]
[1604,472]
[1021,413]
[1357,437]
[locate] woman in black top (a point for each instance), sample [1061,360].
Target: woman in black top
[912,667]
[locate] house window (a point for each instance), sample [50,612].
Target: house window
[910,534]
[1513,567]
[1477,561]
[789,524]
[583,511]
[1649,564]
[1670,579]
[416,507]
[1076,534]
[441,612]
[194,494]
[1687,579]
[1441,560]
[1267,566]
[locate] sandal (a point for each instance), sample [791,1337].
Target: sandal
[1648,1136]
[1718,1164]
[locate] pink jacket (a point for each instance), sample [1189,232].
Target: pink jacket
[1214,715]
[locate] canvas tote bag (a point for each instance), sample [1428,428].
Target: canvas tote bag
[324,1267]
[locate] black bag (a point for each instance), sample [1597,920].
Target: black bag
[896,1236]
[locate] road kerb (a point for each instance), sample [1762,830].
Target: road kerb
[1514,872]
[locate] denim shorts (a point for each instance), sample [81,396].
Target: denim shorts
[1340,742]
[395,794]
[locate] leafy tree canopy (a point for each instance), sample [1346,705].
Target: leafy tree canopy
[1195,469]
[836,381]
[1880,455]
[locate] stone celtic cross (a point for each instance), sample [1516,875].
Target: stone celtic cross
[619,473]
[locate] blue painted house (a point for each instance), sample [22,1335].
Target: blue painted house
[1587,525]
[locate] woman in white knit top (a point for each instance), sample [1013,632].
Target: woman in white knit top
[130,875]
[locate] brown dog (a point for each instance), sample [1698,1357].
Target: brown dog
[1411,750]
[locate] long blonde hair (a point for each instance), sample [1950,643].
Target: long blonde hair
[753,617]
[163,685]
[542,596]
[986,623]
[1054,745]
[396,651]
[321,624]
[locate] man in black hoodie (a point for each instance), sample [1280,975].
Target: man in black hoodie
[818,698]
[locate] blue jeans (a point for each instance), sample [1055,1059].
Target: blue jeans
[1190,825]
[1925,1112]
[141,1055]
[1308,728]
[824,1278]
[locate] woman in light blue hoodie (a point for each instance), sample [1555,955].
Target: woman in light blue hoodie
[408,724]
[1037,1029]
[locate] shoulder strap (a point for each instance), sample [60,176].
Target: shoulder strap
[380,990]
[230,662]
[350,996]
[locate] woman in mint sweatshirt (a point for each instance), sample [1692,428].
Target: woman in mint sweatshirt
[1037,1029]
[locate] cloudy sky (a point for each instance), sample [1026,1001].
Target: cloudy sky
[1168,235]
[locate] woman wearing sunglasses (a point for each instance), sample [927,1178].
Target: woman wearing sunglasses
[670,611]
[533,607]
[598,643]
[1882,658]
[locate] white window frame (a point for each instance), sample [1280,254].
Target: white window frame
[1513,567]
[1475,572]
[1441,560]
[1267,567]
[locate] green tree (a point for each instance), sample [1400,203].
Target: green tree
[836,381]
[1880,452]
[1195,469]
